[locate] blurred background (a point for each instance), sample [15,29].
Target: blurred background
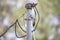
[49,24]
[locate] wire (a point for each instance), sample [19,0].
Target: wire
[20,26]
[38,19]
[36,12]
[34,36]
[16,32]
[9,27]
[7,30]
